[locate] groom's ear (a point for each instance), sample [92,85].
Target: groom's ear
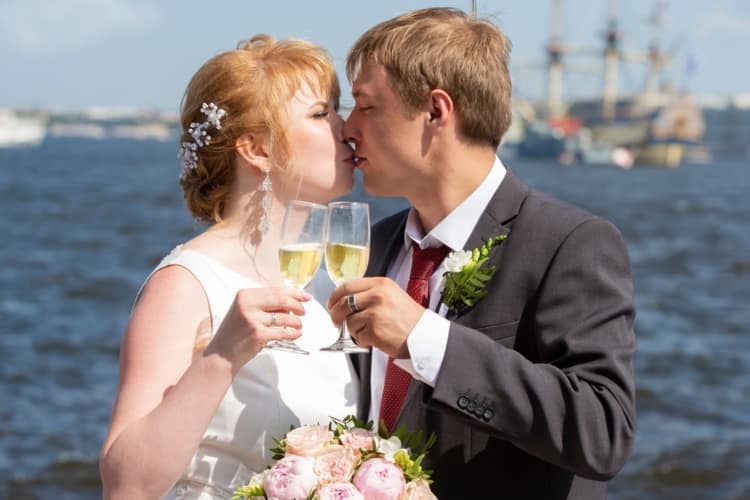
[252,149]
[441,107]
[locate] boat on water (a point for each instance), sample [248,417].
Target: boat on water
[657,125]
[18,130]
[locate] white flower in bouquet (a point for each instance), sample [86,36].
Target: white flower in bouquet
[388,447]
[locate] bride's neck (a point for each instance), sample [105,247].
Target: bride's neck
[240,242]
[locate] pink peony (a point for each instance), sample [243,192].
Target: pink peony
[335,464]
[290,478]
[418,490]
[358,439]
[339,491]
[379,479]
[308,440]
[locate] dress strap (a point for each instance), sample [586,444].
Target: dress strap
[213,286]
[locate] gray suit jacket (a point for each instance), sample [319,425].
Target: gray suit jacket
[535,398]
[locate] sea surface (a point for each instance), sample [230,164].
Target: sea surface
[84,221]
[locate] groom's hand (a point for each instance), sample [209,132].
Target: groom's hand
[380,314]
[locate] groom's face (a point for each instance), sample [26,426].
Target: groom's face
[388,136]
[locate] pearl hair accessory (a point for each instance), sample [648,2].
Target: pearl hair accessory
[198,131]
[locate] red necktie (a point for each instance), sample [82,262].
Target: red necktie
[423,265]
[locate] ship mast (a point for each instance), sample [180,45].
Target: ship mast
[656,58]
[555,66]
[611,56]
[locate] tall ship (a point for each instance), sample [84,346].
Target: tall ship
[657,125]
[21,130]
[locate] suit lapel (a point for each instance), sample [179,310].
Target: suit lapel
[502,208]
[384,249]
[495,220]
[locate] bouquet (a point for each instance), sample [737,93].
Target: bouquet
[346,460]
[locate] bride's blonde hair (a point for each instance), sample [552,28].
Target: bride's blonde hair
[253,84]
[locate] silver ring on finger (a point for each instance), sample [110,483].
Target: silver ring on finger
[351,301]
[274,319]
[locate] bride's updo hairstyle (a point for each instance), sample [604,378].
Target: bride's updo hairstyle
[253,85]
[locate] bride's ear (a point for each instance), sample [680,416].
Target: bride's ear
[253,151]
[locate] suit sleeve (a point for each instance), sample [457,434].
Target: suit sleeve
[575,406]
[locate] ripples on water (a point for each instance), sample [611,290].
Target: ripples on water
[83,222]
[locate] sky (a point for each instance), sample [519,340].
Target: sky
[73,54]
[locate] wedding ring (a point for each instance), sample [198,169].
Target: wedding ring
[351,301]
[274,319]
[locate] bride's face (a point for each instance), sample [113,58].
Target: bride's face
[323,164]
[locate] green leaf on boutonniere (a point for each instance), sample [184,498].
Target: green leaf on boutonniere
[467,276]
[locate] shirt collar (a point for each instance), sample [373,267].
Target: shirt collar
[454,230]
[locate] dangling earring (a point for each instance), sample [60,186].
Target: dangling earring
[266,186]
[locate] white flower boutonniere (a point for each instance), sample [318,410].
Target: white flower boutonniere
[466,276]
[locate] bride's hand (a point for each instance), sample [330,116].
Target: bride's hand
[256,317]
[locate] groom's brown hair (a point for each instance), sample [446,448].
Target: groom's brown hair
[444,48]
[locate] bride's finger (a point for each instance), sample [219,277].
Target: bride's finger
[272,333]
[278,319]
[273,299]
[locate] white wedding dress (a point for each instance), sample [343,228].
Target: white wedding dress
[272,392]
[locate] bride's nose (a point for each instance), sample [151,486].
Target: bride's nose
[338,127]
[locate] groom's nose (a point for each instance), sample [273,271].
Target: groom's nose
[350,130]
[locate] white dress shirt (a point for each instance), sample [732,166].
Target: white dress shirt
[428,340]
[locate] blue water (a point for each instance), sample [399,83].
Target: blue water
[84,221]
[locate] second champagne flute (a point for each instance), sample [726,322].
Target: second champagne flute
[300,252]
[347,254]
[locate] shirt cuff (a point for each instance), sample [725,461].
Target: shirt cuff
[426,343]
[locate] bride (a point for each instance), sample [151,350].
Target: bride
[199,398]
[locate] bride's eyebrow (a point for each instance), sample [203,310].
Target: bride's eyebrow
[318,104]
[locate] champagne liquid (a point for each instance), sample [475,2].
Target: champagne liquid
[346,262]
[299,262]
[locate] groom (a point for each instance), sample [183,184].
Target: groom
[530,390]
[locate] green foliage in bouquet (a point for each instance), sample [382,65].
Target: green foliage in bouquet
[249,491]
[414,441]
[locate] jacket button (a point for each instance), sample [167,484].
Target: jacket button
[479,412]
[472,406]
[463,402]
[488,414]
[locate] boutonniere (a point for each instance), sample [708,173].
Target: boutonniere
[466,276]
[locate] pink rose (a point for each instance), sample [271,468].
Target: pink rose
[379,479]
[358,439]
[308,440]
[418,490]
[290,478]
[339,491]
[335,464]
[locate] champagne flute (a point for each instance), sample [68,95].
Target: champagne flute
[347,253]
[300,252]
